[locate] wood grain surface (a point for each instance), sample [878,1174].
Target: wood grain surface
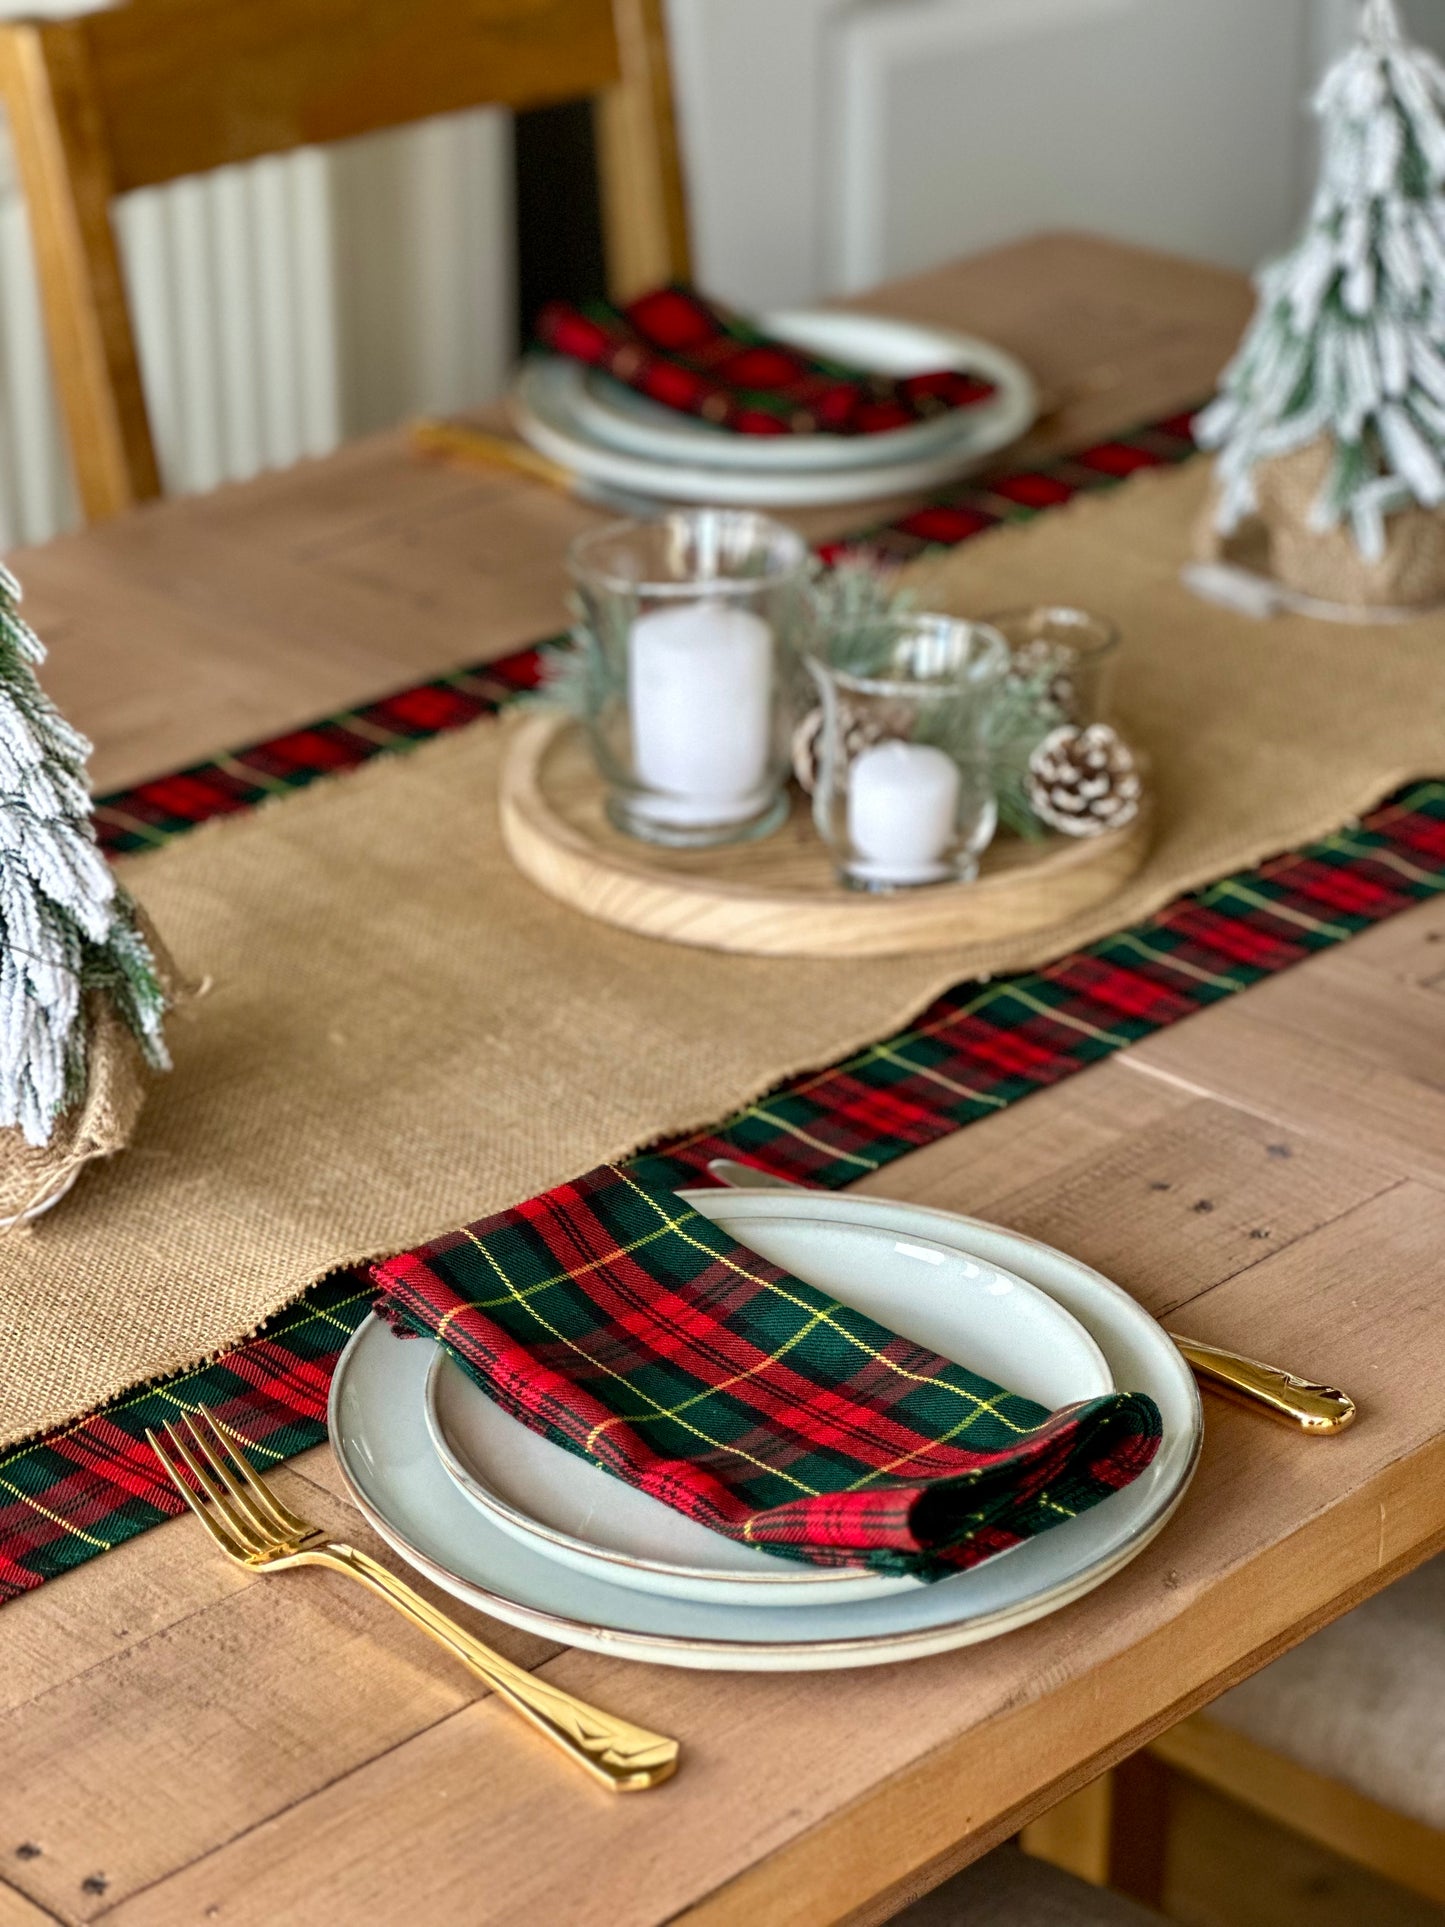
[185,1743]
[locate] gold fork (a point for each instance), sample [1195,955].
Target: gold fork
[253,1527]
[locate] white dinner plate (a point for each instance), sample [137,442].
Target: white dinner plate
[610,412]
[962,1307]
[544,404]
[377,1424]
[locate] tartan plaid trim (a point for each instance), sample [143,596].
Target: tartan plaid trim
[979,1048]
[623,1325]
[1018,495]
[982,1047]
[78,1492]
[152,813]
[701,359]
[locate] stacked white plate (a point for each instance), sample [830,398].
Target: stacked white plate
[536,1536]
[611,436]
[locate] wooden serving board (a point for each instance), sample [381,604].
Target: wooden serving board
[779,896]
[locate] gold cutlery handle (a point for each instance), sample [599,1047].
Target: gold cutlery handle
[1319,1409]
[624,1757]
[479,448]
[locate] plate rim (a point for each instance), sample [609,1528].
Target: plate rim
[480,1494]
[779,488]
[789,1654]
[660,1648]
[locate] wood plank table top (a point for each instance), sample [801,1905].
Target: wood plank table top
[183,1742]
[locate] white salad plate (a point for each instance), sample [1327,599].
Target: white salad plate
[559,413]
[378,1428]
[611,412]
[959,1306]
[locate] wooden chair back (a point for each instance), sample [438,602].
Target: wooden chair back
[150,90]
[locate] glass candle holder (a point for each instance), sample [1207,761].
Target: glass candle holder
[693,627]
[1068,651]
[904,793]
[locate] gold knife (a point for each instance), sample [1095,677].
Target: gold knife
[1319,1410]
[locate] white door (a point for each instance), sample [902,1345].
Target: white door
[836,142]
[960,123]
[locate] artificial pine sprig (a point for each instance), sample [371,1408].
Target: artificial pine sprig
[66,926]
[581,675]
[1021,713]
[856,606]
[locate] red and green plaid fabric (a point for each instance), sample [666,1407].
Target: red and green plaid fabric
[620,1323]
[696,356]
[153,812]
[981,1047]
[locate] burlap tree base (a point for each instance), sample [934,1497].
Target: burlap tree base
[1326,565]
[1409,575]
[33,1178]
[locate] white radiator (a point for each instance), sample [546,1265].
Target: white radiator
[280,307]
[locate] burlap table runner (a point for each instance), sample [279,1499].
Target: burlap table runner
[403,1034]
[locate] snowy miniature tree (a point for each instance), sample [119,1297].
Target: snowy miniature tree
[1348,342]
[66,926]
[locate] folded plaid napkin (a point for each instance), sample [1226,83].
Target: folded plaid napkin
[693,355]
[623,1325]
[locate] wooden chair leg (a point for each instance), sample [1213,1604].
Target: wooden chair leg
[55,122]
[1325,1811]
[1114,1832]
[1139,1829]
[644,214]
[1076,1835]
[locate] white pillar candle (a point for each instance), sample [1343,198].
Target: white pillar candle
[902,812]
[700,694]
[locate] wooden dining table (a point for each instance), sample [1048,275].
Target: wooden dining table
[184,1742]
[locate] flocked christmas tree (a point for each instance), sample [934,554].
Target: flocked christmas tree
[1348,343]
[67,929]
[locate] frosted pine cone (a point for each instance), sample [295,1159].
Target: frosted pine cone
[1084,781]
[861,729]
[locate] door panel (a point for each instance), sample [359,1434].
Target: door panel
[961,123]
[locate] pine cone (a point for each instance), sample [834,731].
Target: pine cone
[861,729]
[1084,781]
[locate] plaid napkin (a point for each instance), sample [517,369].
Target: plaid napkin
[695,356]
[623,1325]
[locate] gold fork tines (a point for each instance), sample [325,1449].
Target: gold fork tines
[254,1526]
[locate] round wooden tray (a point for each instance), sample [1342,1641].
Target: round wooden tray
[777,897]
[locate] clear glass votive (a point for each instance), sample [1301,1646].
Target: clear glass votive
[1068,651]
[694,623]
[904,793]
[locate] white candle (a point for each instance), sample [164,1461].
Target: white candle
[902,812]
[700,694]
